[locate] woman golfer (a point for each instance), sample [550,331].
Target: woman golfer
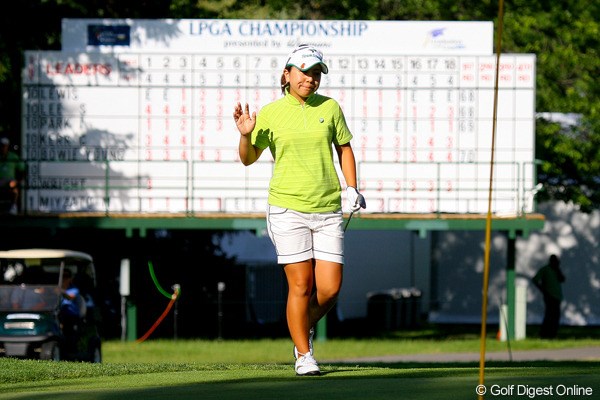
[304,216]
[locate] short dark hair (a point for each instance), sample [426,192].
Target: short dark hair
[284,83]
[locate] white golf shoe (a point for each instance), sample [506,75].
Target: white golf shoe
[306,365]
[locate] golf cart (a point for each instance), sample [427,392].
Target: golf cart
[32,305]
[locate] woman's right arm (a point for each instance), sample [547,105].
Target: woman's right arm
[245,123]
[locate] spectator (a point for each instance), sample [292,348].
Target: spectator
[27,298]
[29,295]
[71,304]
[12,172]
[549,279]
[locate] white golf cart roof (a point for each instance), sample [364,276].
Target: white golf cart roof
[44,253]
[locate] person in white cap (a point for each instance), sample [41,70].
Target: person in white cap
[11,175]
[304,215]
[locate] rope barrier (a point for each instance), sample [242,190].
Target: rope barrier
[160,289]
[173,298]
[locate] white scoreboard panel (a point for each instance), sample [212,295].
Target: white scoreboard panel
[153,132]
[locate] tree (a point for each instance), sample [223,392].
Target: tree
[565,37]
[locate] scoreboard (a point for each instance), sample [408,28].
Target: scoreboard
[138,129]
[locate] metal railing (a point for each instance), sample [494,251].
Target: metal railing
[227,186]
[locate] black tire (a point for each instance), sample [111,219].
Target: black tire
[50,351]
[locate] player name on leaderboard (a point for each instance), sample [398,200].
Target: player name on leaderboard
[153,132]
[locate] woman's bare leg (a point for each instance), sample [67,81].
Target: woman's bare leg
[328,280]
[300,281]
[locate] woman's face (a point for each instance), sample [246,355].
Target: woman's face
[303,84]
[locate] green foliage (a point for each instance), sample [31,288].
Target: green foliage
[573,172]
[565,38]
[564,34]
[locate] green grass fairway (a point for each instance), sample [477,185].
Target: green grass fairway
[193,381]
[263,370]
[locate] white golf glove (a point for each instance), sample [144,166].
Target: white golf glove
[356,201]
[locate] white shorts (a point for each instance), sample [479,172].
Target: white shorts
[302,236]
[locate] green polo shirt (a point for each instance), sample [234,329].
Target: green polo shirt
[11,166]
[300,139]
[547,278]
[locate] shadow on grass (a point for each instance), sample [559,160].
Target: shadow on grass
[373,381]
[462,331]
[410,365]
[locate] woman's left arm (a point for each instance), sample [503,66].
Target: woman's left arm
[347,163]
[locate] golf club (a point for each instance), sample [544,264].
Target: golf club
[347,222]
